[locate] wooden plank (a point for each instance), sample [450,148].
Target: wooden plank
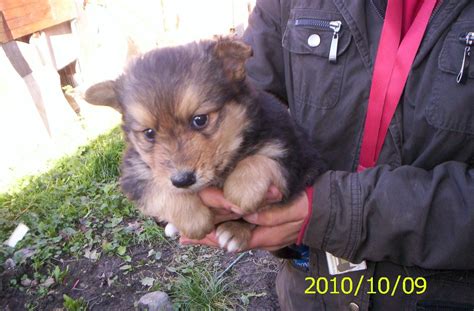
[5,34]
[28,18]
[24,17]
[11,4]
[28,24]
[28,12]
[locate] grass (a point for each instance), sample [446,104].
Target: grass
[68,208]
[202,290]
[76,210]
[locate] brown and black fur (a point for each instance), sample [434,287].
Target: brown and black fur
[249,143]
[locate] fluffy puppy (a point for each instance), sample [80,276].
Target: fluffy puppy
[192,120]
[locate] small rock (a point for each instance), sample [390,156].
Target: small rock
[9,264]
[23,254]
[26,282]
[155,301]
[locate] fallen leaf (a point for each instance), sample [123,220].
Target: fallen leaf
[135,226]
[49,281]
[92,255]
[125,267]
[147,281]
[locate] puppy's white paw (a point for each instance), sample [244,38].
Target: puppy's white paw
[233,236]
[228,241]
[171,231]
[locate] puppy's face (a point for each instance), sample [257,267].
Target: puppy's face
[182,110]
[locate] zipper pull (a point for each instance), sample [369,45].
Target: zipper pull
[336,27]
[468,40]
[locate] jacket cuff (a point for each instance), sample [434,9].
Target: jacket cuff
[336,221]
[317,221]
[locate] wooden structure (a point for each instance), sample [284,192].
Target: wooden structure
[23,17]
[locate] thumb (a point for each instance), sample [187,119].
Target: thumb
[214,197]
[277,215]
[273,195]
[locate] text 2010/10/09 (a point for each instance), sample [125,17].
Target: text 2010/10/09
[382,286]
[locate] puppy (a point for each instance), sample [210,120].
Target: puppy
[192,120]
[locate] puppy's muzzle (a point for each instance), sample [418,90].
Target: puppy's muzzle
[183,179]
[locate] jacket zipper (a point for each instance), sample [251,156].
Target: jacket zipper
[334,26]
[468,40]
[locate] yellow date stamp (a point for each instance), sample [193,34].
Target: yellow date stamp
[371,286]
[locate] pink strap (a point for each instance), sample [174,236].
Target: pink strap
[392,66]
[309,193]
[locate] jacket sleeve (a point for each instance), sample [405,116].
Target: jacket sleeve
[406,215]
[265,68]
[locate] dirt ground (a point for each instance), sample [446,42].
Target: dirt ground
[106,285]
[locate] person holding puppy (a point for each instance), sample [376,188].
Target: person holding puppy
[385,90]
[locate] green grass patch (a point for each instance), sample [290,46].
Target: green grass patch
[74,208]
[201,289]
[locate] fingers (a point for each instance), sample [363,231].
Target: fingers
[272,238]
[278,215]
[219,218]
[209,240]
[214,197]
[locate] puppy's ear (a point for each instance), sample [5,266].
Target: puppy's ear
[233,54]
[103,94]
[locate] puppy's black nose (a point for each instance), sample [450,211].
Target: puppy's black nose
[183,179]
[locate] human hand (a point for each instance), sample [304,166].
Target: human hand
[224,210]
[277,227]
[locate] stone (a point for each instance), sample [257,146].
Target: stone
[9,264]
[155,301]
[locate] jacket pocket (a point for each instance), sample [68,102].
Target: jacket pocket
[452,104]
[316,42]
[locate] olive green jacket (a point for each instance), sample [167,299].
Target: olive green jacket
[413,213]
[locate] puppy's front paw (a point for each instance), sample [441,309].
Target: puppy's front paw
[245,189]
[198,232]
[234,235]
[187,213]
[196,225]
[248,183]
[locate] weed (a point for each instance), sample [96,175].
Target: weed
[202,290]
[150,233]
[59,275]
[74,304]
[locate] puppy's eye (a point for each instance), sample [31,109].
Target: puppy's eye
[149,134]
[199,121]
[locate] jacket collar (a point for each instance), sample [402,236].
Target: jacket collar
[355,16]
